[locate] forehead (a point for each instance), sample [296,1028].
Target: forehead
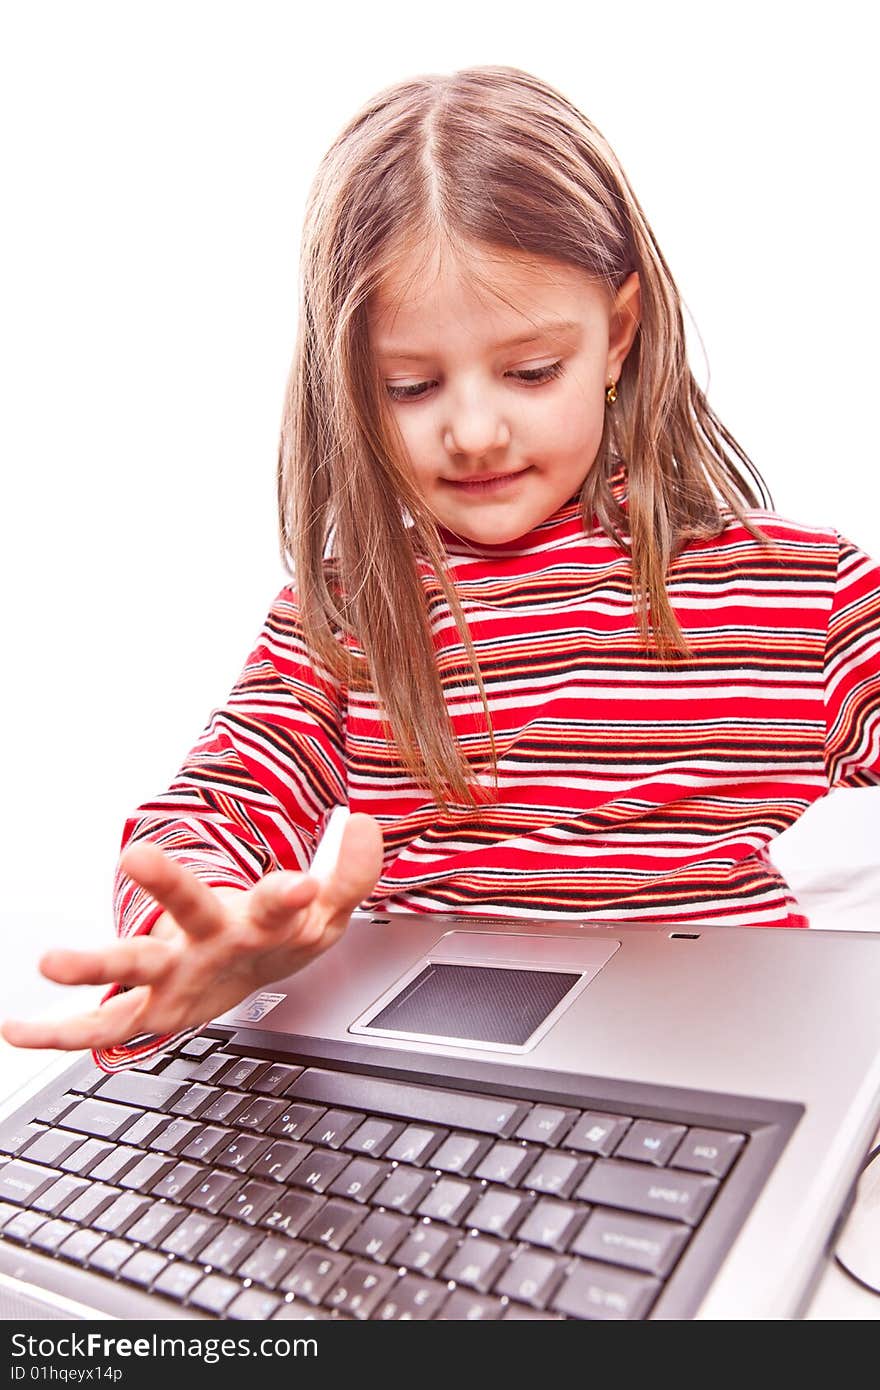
[492,291]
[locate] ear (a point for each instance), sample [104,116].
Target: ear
[624,323]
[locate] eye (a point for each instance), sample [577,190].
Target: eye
[528,375]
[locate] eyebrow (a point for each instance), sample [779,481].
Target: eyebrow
[542,330]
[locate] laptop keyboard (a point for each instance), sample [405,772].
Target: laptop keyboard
[242,1187]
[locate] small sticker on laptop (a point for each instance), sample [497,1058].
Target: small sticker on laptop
[255,1009]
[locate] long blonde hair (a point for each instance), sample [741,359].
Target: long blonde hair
[489,156]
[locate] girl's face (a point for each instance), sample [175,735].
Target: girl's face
[483,390]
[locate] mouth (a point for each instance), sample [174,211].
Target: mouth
[487,482]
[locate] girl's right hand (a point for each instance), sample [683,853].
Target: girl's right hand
[211,947]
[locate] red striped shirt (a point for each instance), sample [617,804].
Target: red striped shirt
[628,788]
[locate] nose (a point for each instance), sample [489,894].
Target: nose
[475,428]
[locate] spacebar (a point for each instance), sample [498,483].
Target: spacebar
[487,1114]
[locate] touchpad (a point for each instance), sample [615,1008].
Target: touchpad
[497,991]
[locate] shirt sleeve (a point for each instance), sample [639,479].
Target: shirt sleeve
[252,794]
[852,672]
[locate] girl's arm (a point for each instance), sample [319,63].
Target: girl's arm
[852,672]
[251,797]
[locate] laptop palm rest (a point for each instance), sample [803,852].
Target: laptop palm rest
[500,992]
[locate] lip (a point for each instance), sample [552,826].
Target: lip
[487,482]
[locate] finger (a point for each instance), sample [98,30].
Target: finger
[358,866]
[105,1026]
[136,960]
[190,902]
[278,896]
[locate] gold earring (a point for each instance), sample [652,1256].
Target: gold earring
[611,392]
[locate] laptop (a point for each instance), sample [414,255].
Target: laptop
[465,1118]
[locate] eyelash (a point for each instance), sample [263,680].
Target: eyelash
[529,375]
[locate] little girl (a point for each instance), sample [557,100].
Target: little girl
[544,636]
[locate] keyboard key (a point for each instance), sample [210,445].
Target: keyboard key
[101,1118]
[191,1235]
[114,1165]
[379,1236]
[639,1242]
[150,1169]
[650,1141]
[359,1289]
[465,1306]
[373,1137]
[214,1294]
[179,1182]
[556,1174]
[296,1121]
[532,1277]
[505,1163]
[198,1047]
[291,1211]
[116,1218]
[299,1311]
[426,1249]
[260,1113]
[51,1146]
[156,1223]
[207,1143]
[177,1280]
[146,1128]
[314,1274]
[80,1245]
[111,1255]
[52,1234]
[55,1198]
[448,1200]
[182,1068]
[477,1262]
[214,1191]
[404,1189]
[597,1291]
[241,1072]
[142,1089]
[499,1212]
[251,1202]
[175,1136]
[86,1156]
[521,1312]
[597,1134]
[460,1153]
[22,1226]
[546,1124]
[143,1267]
[275,1080]
[90,1203]
[411,1299]
[333,1224]
[224,1109]
[415,1144]
[634,1187]
[333,1128]
[551,1223]
[195,1099]
[52,1108]
[212,1066]
[15,1137]
[254,1305]
[359,1180]
[709,1151]
[228,1248]
[319,1170]
[486,1114]
[279,1160]
[21,1182]
[271,1260]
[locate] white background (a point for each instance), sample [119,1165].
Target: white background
[155,165]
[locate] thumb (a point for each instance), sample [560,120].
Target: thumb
[358,865]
